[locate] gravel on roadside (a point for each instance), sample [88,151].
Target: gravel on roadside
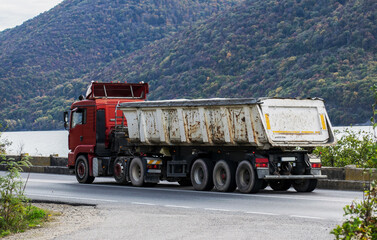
[71,219]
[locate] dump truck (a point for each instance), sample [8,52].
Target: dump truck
[219,143]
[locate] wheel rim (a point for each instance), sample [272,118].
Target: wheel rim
[118,169]
[136,172]
[221,176]
[244,177]
[81,170]
[199,175]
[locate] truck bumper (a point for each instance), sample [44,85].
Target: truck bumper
[283,177]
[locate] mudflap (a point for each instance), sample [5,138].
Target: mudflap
[152,178]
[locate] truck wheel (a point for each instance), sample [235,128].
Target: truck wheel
[137,172]
[223,176]
[82,170]
[201,175]
[280,185]
[305,185]
[247,179]
[120,171]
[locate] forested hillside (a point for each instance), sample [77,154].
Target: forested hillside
[286,48]
[43,60]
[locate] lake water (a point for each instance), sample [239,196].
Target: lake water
[356,129]
[37,143]
[45,143]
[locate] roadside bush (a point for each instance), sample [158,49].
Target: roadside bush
[16,214]
[353,148]
[13,203]
[361,220]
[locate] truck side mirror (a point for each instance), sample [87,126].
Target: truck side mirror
[66,120]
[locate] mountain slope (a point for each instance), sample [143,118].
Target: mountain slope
[42,60]
[286,48]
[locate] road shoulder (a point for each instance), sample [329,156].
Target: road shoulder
[71,219]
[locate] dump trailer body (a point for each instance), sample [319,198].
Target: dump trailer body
[263,123]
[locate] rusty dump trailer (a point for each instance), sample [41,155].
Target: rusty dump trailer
[223,143]
[262,124]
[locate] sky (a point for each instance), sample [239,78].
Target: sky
[15,12]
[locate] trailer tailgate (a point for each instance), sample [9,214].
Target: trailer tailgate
[290,121]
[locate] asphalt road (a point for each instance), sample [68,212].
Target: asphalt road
[183,213]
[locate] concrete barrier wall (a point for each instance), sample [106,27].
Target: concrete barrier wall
[350,173]
[42,161]
[360,174]
[51,164]
[347,178]
[334,173]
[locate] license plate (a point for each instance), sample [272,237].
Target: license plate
[288,159]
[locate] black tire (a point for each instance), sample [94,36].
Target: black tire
[201,175]
[280,185]
[137,172]
[306,185]
[247,179]
[82,170]
[224,176]
[185,182]
[120,171]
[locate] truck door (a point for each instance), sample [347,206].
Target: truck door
[82,127]
[78,118]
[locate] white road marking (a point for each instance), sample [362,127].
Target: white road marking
[217,209]
[309,198]
[143,203]
[308,217]
[177,206]
[68,197]
[264,213]
[49,181]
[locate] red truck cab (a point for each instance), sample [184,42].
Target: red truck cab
[92,121]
